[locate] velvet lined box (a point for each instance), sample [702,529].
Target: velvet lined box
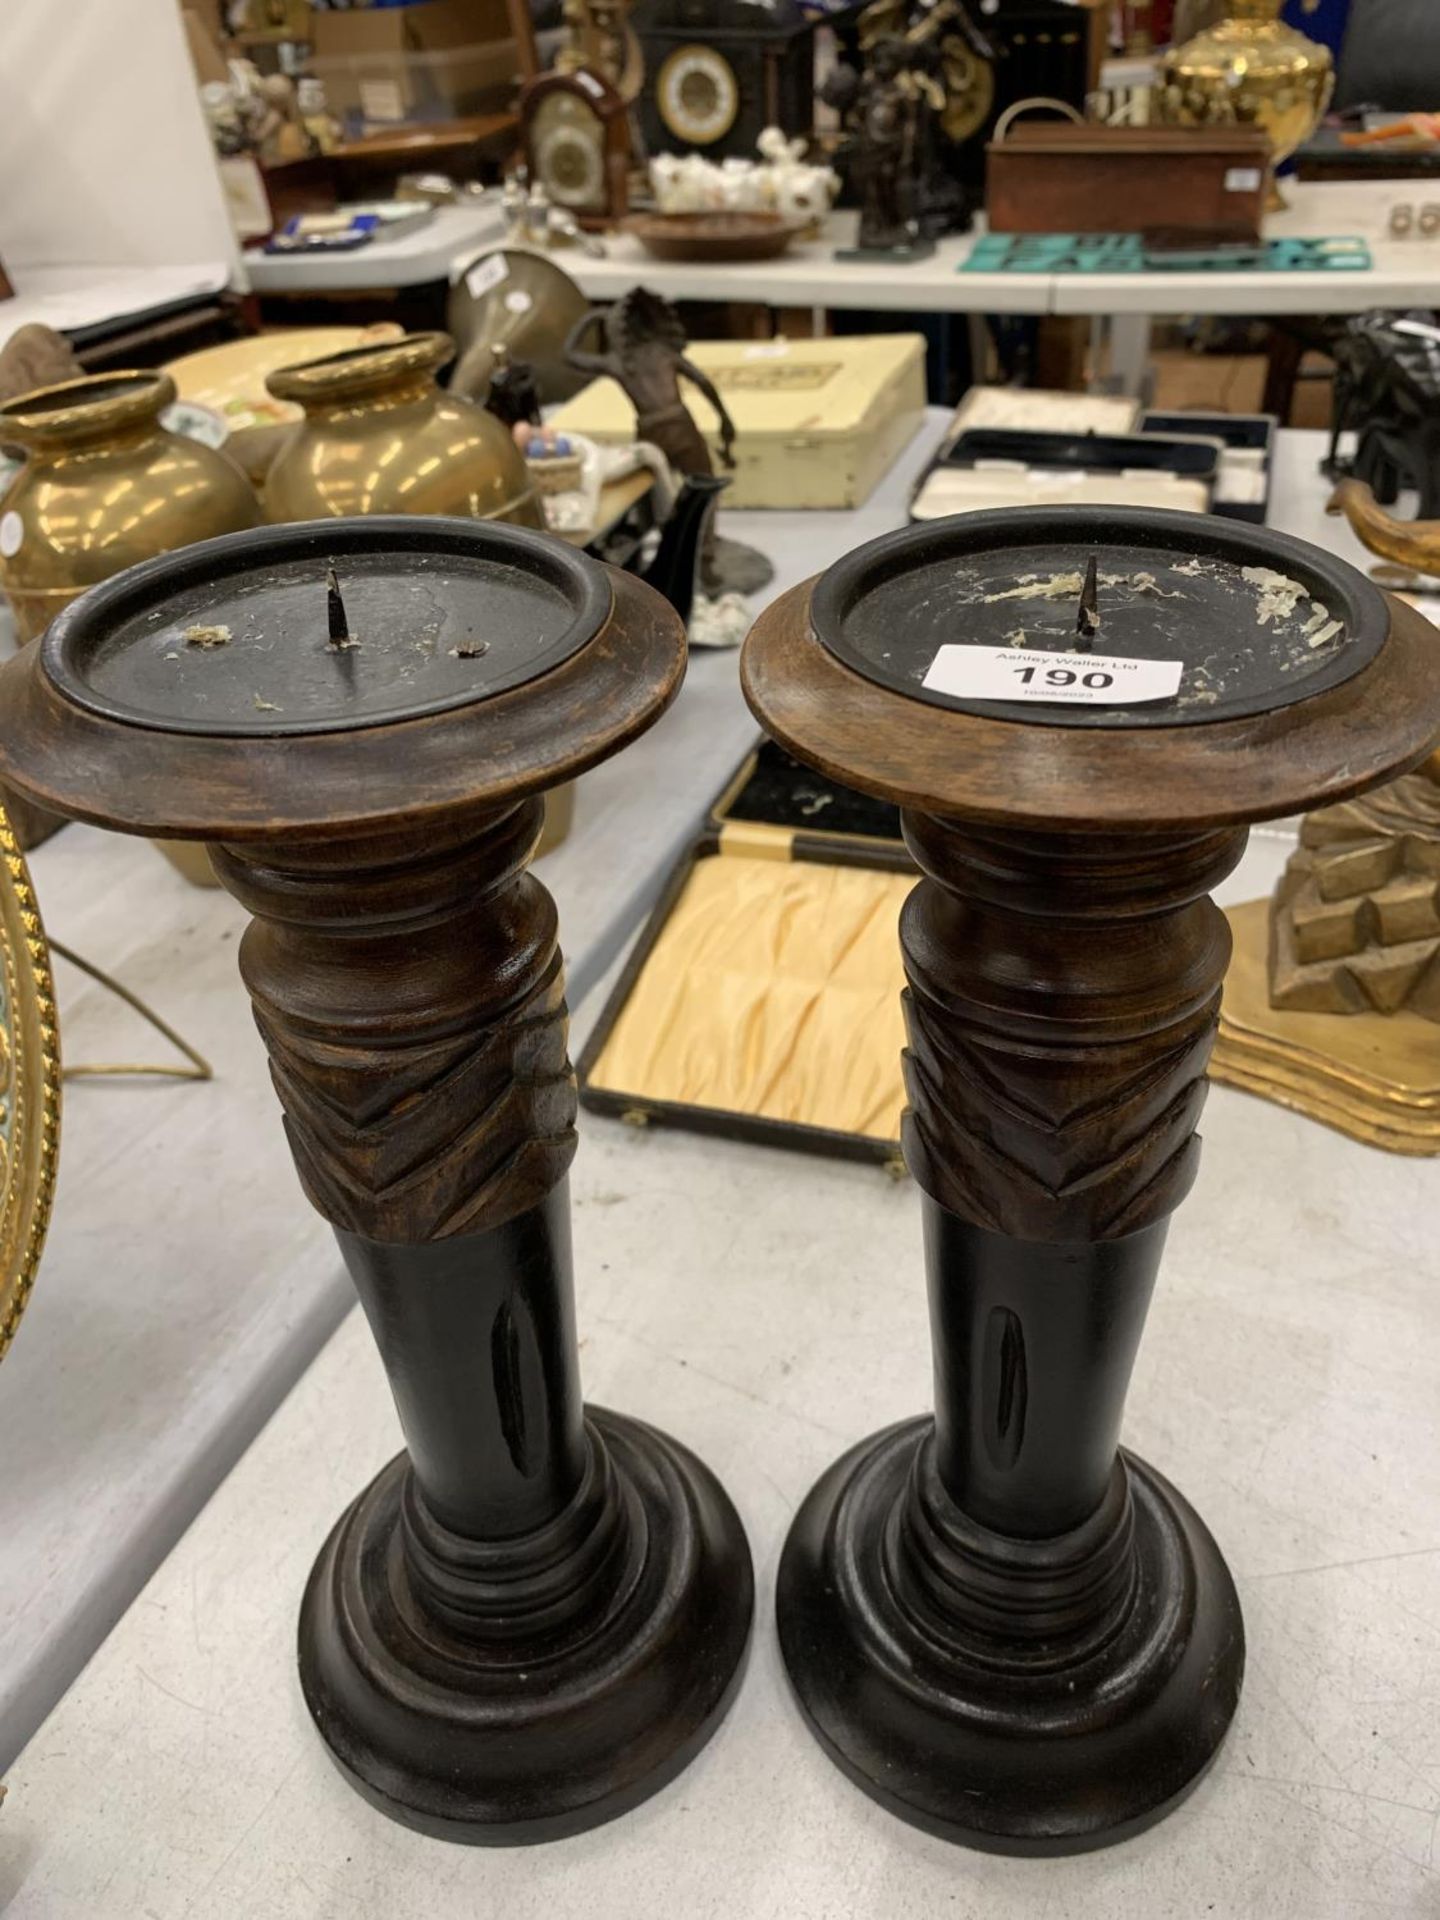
[762,999]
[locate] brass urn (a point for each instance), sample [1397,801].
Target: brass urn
[1253,70]
[379,436]
[102,486]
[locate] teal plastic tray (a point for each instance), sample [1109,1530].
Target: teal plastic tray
[1125,253]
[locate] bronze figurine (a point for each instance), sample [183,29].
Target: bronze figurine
[643,351]
[892,109]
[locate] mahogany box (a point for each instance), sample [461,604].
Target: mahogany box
[1051,176]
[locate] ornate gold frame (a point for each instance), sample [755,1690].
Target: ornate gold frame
[29,1087]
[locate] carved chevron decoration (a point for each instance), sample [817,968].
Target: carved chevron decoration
[1057,1058]
[414,1014]
[1052,1144]
[420,1143]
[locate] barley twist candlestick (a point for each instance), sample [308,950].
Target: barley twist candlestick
[536,1615]
[1000,1625]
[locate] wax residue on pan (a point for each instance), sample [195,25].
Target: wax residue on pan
[1069,586]
[1250,629]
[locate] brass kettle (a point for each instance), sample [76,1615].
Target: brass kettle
[1254,70]
[104,485]
[379,436]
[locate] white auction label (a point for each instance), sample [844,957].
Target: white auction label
[12,533]
[486,274]
[1023,673]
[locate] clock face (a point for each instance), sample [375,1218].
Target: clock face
[698,95]
[567,146]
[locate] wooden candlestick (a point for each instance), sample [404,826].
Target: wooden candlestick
[535,1616]
[1001,1626]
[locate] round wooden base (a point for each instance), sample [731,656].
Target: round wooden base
[1018,1696]
[508,1691]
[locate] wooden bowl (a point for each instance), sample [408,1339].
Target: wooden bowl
[720,237]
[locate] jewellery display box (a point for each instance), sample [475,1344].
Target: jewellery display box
[1043,410]
[818,423]
[763,998]
[1004,467]
[1247,452]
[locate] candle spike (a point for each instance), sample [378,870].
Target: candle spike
[1087,617]
[335,612]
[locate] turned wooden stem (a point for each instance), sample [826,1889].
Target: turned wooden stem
[1063,993]
[477,1336]
[409,990]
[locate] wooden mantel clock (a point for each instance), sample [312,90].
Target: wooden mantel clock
[535,1616]
[575,133]
[1002,1626]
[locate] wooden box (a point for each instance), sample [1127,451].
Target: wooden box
[762,999]
[818,423]
[1055,177]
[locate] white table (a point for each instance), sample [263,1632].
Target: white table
[432,252]
[1405,273]
[163,1334]
[769,1308]
[807,274]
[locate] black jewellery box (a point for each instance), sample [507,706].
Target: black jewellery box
[762,999]
[1247,455]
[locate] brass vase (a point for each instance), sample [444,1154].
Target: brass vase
[379,436]
[1253,70]
[102,486]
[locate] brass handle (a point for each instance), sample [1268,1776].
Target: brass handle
[1013,112]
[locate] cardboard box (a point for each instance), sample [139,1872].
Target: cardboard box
[439,60]
[818,423]
[261,23]
[206,55]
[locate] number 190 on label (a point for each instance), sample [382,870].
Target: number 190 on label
[1023,673]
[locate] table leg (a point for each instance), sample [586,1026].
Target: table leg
[1130,355]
